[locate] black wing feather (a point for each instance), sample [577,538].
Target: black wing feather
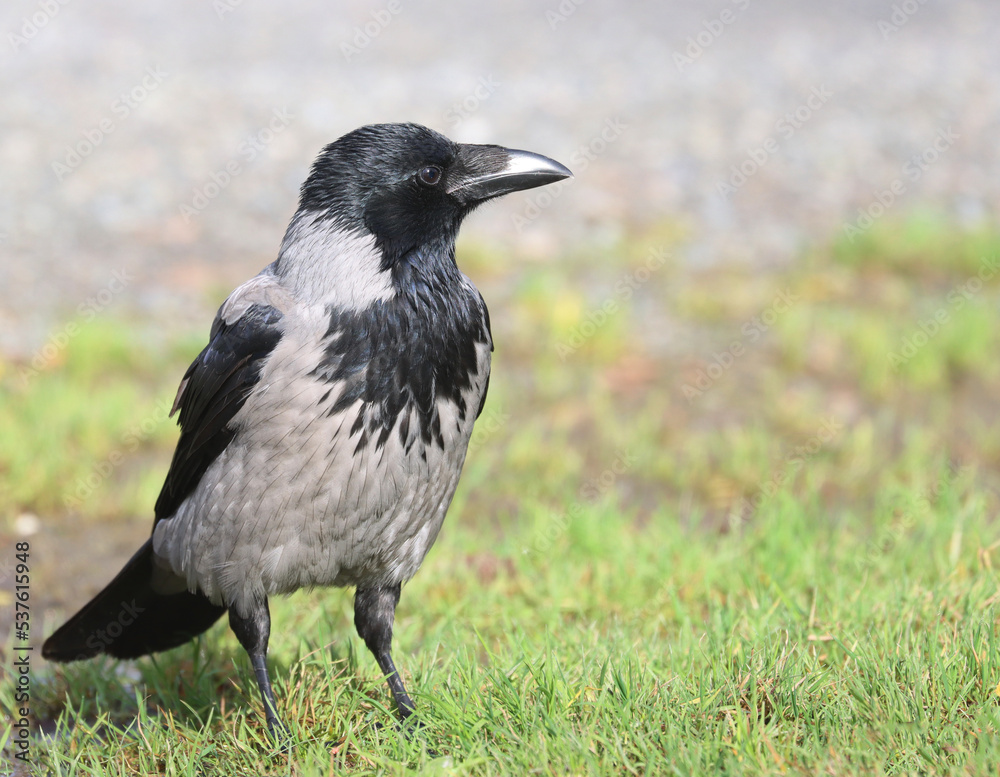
[213,389]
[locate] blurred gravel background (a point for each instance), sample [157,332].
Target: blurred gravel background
[117,115]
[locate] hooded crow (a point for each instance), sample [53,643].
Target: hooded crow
[325,424]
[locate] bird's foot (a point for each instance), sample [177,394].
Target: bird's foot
[281,737]
[411,727]
[408,725]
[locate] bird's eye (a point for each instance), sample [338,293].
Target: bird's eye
[430,175]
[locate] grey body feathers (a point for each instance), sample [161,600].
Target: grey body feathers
[297,498]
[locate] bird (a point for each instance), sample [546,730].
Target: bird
[324,426]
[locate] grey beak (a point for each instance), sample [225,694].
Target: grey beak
[491,171]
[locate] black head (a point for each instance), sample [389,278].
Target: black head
[411,187]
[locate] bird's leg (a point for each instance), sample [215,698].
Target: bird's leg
[253,632]
[374,611]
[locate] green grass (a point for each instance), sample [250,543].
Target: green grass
[792,644]
[788,572]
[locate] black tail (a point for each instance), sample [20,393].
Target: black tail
[129,619]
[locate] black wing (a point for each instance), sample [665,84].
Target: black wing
[212,391]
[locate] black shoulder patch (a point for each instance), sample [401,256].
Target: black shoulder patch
[213,389]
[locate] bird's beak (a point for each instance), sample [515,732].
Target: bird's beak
[490,171]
